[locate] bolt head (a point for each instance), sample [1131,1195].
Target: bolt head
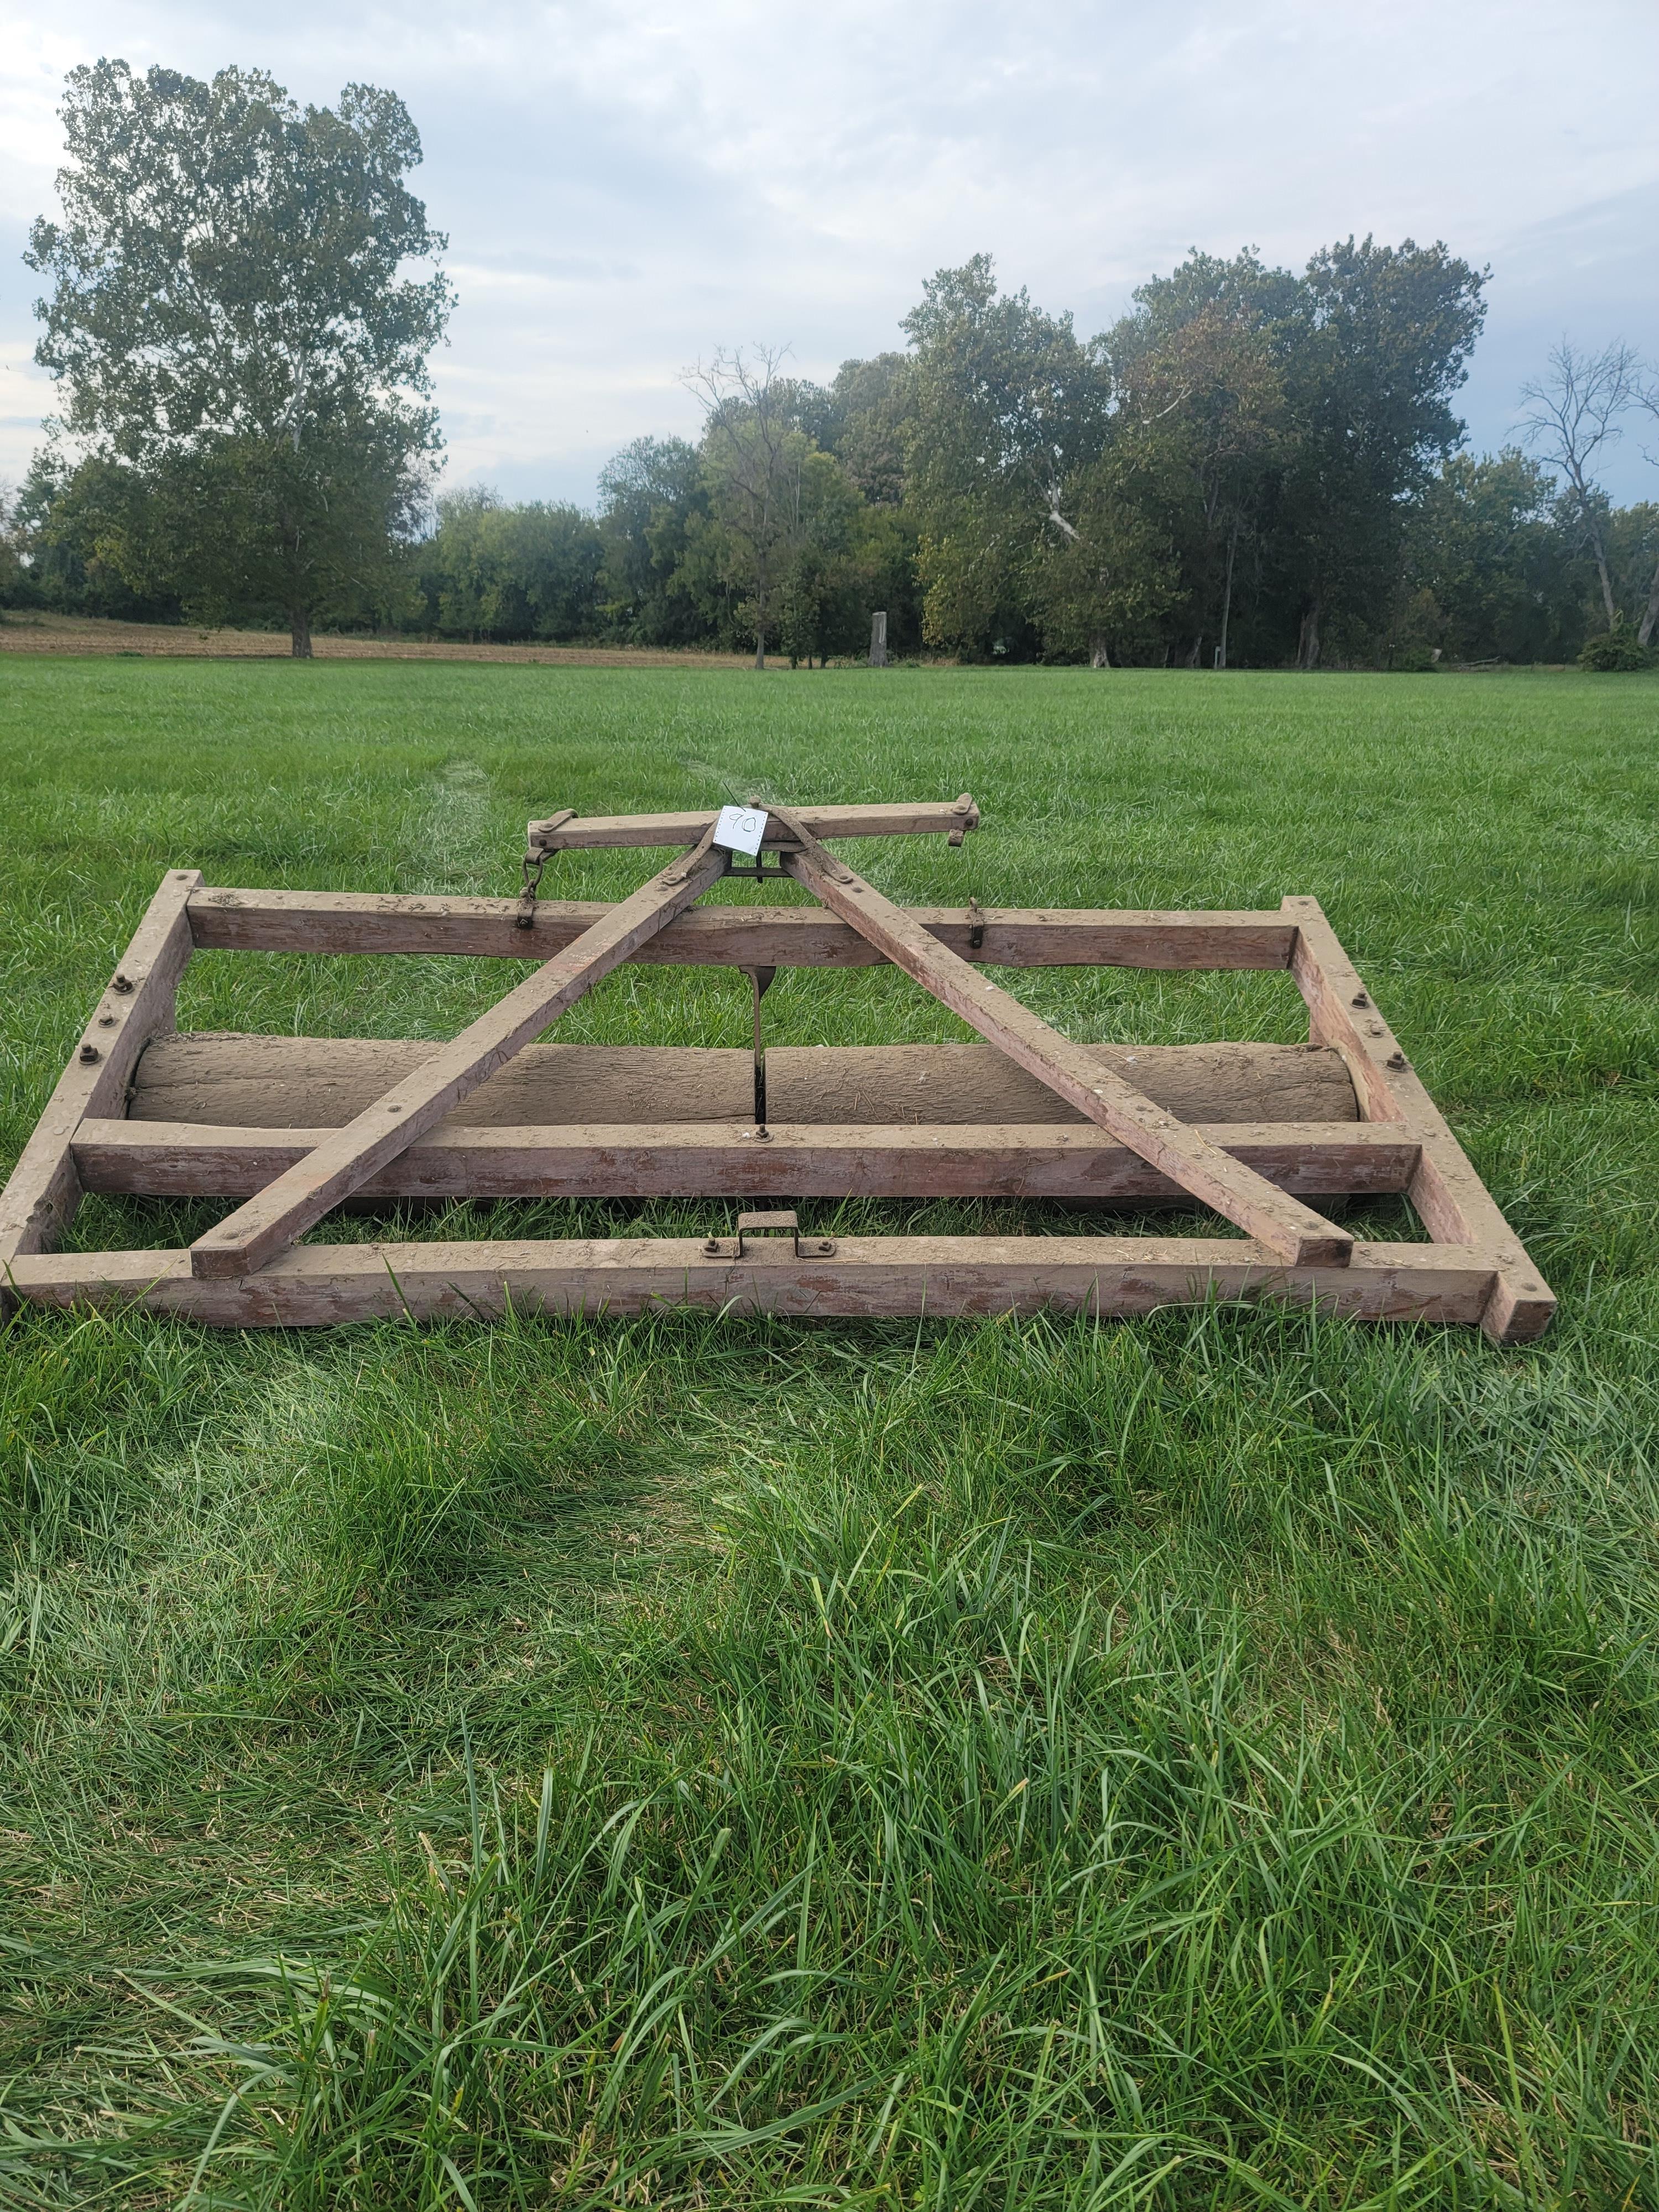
[89,1053]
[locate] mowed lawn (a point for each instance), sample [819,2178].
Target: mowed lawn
[1204,1762]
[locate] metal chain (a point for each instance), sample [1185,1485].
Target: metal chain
[533,865]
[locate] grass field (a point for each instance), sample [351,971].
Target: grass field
[1209,1762]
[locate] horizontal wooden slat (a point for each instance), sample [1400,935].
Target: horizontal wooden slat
[171,1160]
[314,1285]
[731,936]
[562,832]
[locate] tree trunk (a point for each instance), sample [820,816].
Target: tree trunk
[1227,597]
[1644,634]
[1099,655]
[298,622]
[1307,648]
[1607,600]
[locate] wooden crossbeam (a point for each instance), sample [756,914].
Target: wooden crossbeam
[222,920]
[1293,1231]
[42,1193]
[182,1159]
[287,1206]
[562,833]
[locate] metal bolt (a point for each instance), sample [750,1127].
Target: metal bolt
[711,1245]
[1396,1060]
[122,983]
[1359,1000]
[107,1021]
[89,1053]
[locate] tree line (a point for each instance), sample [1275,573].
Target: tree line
[1254,467]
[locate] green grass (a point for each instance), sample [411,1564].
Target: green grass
[1208,1762]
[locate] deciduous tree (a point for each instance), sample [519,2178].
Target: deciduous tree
[754,454]
[1007,404]
[230,319]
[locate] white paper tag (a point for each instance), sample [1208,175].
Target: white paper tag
[740,829]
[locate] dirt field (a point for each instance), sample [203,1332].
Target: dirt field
[46,633]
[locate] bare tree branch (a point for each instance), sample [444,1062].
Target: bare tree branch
[1574,413]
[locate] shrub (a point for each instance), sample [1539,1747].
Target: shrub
[1614,652]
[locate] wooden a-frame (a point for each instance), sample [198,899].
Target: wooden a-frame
[1116,1141]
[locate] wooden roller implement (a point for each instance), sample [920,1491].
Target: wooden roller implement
[285,1129]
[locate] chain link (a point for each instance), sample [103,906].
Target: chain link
[533,865]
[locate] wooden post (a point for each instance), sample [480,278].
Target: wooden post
[1291,1231]
[878,641]
[286,1208]
[40,1198]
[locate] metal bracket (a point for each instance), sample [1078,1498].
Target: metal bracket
[769,1228]
[975,925]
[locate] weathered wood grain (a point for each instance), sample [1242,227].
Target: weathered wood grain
[559,833]
[729,936]
[173,1159]
[316,1285]
[287,1206]
[42,1193]
[1290,1230]
[1456,1206]
[273,1081]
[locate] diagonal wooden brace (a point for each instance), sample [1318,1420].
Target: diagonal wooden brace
[1291,1231]
[286,1208]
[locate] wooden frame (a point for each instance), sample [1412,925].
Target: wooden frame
[1121,1146]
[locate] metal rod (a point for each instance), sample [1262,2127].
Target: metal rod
[760,979]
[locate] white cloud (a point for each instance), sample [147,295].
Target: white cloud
[629,184]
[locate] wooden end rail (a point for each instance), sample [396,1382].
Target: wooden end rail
[313,1285]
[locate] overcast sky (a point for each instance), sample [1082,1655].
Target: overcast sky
[628,184]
